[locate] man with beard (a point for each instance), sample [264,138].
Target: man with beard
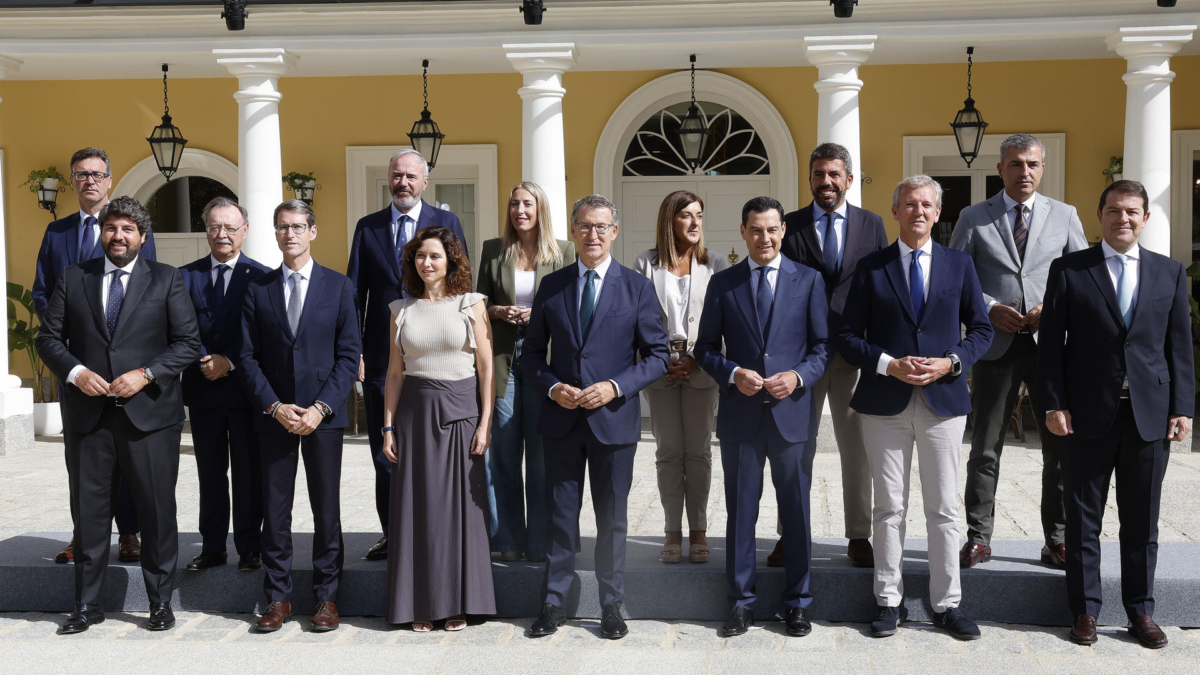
[119,331]
[374,269]
[831,236]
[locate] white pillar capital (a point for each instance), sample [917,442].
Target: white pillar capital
[835,50]
[1148,51]
[837,59]
[557,57]
[266,62]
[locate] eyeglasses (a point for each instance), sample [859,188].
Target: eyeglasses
[599,229]
[296,229]
[214,229]
[83,176]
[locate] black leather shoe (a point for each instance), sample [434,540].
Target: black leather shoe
[208,559]
[547,624]
[379,550]
[797,622]
[81,618]
[956,624]
[887,620]
[249,562]
[740,620]
[161,616]
[612,624]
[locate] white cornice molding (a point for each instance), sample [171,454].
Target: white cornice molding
[8,65]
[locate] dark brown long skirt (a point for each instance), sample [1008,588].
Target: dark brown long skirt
[439,560]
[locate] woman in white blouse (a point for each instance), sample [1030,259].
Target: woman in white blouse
[682,402]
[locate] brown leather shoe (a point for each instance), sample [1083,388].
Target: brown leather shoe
[1083,632]
[1148,633]
[272,619]
[67,554]
[775,559]
[1055,556]
[860,553]
[325,617]
[972,554]
[129,549]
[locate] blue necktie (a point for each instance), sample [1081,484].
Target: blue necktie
[587,305]
[86,245]
[762,300]
[401,239]
[116,295]
[1124,290]
[831,244]
[916,284]
[217,289]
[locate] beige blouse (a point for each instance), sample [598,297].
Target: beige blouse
[437,339]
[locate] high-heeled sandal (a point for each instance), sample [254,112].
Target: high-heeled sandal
[671,553]
[698,553]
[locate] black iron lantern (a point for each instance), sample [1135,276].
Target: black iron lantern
[426,137]
[968,124]
[167,141]
[47,193]
[693,130]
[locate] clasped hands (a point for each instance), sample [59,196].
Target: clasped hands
[593,397]
[679,371]
[297,420]
[918,369]
[124,386]
[1010,320]
[214,366]
[779,385]
[514,314]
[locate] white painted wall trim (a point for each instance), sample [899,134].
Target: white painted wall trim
[718,88]
[144,179]
[361,159]
[917,148]
[1184,146]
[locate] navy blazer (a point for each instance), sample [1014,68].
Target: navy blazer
[1085,351]
[60,248]
[797,339]
[318,364]
[375,272]
[626,344]
[220,332]
[879,319]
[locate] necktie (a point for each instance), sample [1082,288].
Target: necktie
[87,244]
[1124,290]
[916,284]
[831,244]
[295,302]
[762,300]
[116,296]
[401,238]
[587,305]
[1020,230]
[217,290]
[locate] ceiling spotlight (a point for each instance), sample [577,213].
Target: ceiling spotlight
[235,14]
[844,9]
[1166,3]
[532,9]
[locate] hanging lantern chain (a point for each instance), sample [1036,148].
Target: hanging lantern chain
[970,51]
[425,81]
[166,107]
[693,59]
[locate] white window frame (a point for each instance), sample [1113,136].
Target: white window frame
[1184,146]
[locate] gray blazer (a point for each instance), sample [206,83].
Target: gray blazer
[647,266]
[984,232]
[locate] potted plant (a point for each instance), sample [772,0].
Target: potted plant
[46,183]
[1115,170]
[47,418]
[302,184]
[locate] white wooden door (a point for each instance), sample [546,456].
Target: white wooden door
[179,249]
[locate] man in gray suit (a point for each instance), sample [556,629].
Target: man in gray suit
[1013,237]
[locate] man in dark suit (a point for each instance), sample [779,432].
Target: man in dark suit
[118,331]
[69,241]
[768,315]
[374,269]
[830,236]
[299,354]
[608,344]
[222,418]
[1117,382]
[903,324]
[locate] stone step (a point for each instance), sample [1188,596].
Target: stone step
[1014,587]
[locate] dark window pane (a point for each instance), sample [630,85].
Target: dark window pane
[993,186]
[178,206]
[956,196]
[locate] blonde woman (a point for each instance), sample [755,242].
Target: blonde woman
[510,270]
[682,401]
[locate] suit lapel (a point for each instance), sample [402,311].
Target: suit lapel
[744,297]
[999,216]
[92,283]
[239,278]
[73,241]
[1099,270]
[316,287]
[1146,278]
[139,281]
[613,281]
[854,224]
[659,275]
[700,278]
[570,297]
[1037,220]
[542,271]
[508,281]
[382,231]
[201,281]
[895,274]
[275,292]
[808,232]
[786,295]
[937,278]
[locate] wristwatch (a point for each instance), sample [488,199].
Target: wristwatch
[326,411]
[147,374]
[955,364]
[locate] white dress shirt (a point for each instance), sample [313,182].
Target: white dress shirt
[410,228]
[601,270]
[212,276]
[305,273]
[772,279]
[526,285]
[926,263]
[839,226]
[109,268]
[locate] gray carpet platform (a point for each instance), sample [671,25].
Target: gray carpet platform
[1013,587]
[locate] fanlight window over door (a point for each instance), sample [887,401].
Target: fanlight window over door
[734,148]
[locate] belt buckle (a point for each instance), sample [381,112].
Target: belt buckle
[678,345]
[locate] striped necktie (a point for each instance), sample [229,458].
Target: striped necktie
[1020,230]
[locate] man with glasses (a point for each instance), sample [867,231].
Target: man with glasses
[222,417]
[298,360]
[70,241]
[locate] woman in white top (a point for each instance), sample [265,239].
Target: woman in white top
[682,402]
[437,426]
[510,270]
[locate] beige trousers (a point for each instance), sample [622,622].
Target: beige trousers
[889,441]
[681,419]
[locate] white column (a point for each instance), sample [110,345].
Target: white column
[1147,153]
[16,404]
[837,60]
[260,164]
[543,152]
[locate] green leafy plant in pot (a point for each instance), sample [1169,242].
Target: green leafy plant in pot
[22,335]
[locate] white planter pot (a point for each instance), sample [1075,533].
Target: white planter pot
[1118,176]
[47,419]
[50,183]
